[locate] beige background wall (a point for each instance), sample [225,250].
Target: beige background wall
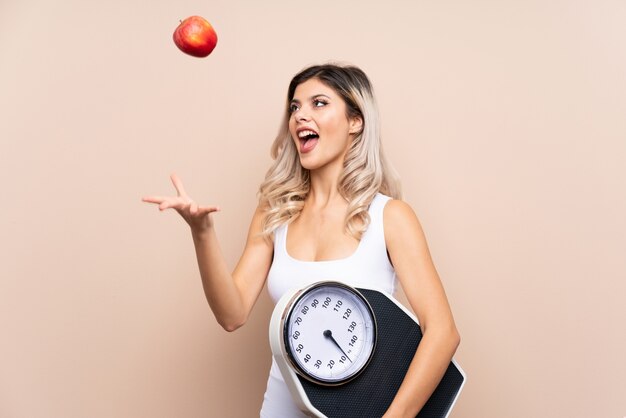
[505,119]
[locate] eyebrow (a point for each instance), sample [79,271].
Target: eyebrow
[311,98]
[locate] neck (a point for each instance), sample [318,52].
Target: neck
[325,185]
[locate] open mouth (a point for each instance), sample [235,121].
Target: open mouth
[308,139]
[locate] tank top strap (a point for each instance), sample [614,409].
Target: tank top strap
[373,239]
[280,238]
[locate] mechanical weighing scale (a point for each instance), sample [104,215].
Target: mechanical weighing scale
[344,352]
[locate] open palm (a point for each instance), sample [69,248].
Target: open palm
[196,216]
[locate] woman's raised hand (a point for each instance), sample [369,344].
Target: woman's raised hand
[196,216]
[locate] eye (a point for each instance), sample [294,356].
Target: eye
[293,107]
[319,103]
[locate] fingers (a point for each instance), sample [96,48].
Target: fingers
[205,210]
[167,205]
[163,202]
[182,203]
[178,184]
[199,211]
[193,208]
[153,199]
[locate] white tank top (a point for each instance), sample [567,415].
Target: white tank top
[368,266]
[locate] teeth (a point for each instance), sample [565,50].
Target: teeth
[302,134]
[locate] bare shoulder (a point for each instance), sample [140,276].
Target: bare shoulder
[398,216]
[261,210]
[403,231]
[397,207]
[258,221]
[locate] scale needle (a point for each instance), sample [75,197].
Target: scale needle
[329,334]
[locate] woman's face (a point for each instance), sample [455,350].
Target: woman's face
[319,125]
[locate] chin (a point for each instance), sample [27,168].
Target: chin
[308,162]
[313,162]
[308,165]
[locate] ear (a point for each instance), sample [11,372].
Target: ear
[356,125]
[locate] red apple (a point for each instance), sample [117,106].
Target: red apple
[195,36]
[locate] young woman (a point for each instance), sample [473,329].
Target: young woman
[329,208]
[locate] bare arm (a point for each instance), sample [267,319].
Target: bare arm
[413,264]
[231,296]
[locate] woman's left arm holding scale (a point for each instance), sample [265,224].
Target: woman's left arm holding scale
[409,254]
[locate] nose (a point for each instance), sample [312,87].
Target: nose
[301,115]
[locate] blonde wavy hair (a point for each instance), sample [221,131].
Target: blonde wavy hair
[366,170]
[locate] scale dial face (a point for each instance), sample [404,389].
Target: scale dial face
[329,333]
